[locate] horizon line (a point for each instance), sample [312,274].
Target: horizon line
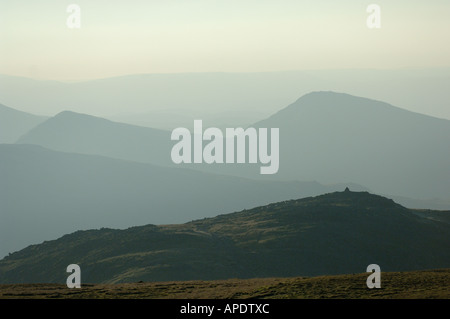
[80,80]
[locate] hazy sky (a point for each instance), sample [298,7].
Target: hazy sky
[159,36]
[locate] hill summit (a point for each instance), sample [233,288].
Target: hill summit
[334,137]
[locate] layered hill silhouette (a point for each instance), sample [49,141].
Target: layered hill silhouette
[324,136]
[14,123]
[45,194]
[81,133]
[335,233]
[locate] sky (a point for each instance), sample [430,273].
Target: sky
[118,37]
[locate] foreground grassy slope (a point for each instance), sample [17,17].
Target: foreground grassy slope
[331,234]
[434,284]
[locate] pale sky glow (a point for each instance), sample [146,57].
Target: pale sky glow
[127,37]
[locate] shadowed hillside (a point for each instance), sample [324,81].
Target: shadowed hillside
[336,233]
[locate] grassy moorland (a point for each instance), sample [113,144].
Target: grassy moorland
[428,284]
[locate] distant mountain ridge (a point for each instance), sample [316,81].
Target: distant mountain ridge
[235,93]
[85,134]
[325,136]
[335,233]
